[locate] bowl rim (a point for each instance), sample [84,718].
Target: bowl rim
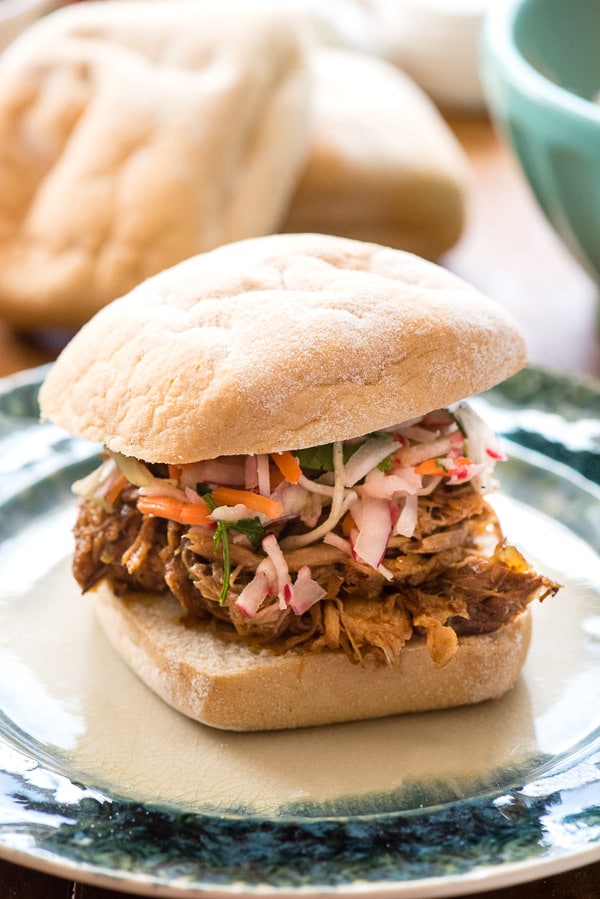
[499,28]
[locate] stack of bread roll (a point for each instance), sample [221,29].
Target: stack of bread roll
[135,134]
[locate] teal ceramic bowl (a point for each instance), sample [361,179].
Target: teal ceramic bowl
[541,78]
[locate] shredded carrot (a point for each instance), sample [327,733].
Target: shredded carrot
[288,465]
[229,496]
[115,489]
[176,510]
[432,466]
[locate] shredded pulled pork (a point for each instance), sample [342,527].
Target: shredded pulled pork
[441,582]
[353,546]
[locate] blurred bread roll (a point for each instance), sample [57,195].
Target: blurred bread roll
[132,138]
[383,165]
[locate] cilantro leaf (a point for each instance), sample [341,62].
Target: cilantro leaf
[251,528]
[221,539]
[320,458]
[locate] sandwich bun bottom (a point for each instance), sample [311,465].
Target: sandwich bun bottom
[227,685]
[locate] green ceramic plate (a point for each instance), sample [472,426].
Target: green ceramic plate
[99,780]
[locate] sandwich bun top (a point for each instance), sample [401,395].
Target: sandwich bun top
[277,343]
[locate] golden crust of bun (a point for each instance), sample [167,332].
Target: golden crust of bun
[133,135]
[226,685]
[382,164]
[277,343]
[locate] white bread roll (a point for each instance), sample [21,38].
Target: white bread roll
[273,344]
[382,163]
[226,685]
[133,135]
[278,343]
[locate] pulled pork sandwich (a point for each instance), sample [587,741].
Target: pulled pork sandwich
[289,524]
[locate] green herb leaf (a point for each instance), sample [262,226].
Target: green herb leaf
[320,458]
[221,539]
[251,528]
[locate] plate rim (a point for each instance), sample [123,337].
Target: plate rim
[484,878]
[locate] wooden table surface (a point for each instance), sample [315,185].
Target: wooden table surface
[510,253]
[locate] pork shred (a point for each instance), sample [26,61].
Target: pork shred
[454,577]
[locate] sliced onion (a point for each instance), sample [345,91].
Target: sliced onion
[282,572]
[374,521]
[430,482]
[388,575]
[263,474]
[482,443]
[462,474]
[337,541]
[406,522]
[136,472]
[385,486]
[367,457]
[87,486]
[414,455]
[192,496]
[481,439]
[256,591]
[102,485]
[305,592]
